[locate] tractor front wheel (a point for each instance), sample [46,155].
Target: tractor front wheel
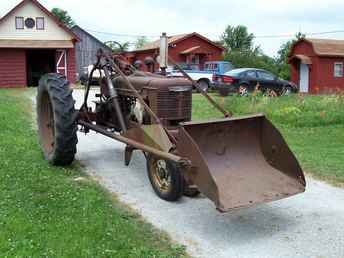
[191,191]
[165,177]
[56,119]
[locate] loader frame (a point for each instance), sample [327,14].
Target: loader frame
[108,65]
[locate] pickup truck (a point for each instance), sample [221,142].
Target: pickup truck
[205,77]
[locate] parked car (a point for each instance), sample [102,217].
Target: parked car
[205,77]
[244,80]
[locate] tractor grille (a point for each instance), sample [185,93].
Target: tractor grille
[174,105]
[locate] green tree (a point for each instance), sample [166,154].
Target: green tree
[282,60]
[237,38]
[63,17]
[241,52]
[140,42]
[118,47]
[252,59]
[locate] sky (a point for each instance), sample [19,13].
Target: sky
[126,19]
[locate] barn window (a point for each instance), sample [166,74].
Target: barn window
[338,69]
[30,23]
[40,23]
[19,23]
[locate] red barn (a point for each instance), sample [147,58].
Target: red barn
[33,42]
[317,65]
[191,49]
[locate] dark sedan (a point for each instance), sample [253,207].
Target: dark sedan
[244,80]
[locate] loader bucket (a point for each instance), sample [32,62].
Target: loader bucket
[239,162]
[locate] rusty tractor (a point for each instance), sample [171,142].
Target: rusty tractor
[235,161]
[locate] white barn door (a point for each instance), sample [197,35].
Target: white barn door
[61,62]
[304,78]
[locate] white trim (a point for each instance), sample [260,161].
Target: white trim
[52,30]
[334,69]
[59,61]
[47,44]
[65,57]
[63,54]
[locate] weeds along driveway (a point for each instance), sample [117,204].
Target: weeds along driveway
[307,225]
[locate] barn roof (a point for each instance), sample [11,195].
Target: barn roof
[46,11]
[76,29]
[175,39]
[325,47]
[328,47]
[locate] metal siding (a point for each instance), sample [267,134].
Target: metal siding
[12,68]
[86,50]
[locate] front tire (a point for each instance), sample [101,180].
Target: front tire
[56,119]
[204,85]
[165,178]
[191,191]
[287,91]
[243,90]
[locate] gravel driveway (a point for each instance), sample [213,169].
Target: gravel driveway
[306,225]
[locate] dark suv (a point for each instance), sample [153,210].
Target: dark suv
[243,80]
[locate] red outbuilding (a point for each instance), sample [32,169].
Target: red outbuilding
[34,42]
[317,65]
[190,49]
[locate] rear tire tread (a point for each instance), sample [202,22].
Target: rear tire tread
[65,138]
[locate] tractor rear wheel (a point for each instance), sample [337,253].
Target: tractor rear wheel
[165,177]
[56,119]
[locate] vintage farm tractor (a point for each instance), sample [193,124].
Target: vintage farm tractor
[235,161]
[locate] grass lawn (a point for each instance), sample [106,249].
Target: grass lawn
[49,211]
[312,125]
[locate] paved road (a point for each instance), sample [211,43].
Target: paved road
[306,225]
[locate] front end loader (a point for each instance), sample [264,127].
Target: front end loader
[236,162]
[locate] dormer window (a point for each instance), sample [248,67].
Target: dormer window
[19,23]
[40,23]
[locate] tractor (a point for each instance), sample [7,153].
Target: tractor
[236,161]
